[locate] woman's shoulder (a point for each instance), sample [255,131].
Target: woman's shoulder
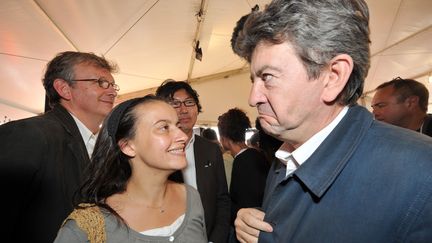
[179,188]
[85,221]
[188,193]
[196,229]
[184,189]
[191,191]
[70,232]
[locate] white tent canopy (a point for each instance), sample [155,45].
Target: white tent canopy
[152,40]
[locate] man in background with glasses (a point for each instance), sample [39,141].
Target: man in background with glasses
[205,170]
[42,158]
[403,103]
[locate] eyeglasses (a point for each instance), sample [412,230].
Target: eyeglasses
[178,103]
[101,82]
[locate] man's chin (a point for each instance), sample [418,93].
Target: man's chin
[272,130]
[185,128]
[267,120]
[272,133]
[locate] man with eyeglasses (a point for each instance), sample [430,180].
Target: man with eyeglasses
[403,103]
[205,170]
[42,158]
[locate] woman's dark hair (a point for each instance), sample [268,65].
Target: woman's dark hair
[109,170]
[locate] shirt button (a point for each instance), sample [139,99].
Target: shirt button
[171,238]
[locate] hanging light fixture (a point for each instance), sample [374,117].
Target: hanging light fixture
[198,51]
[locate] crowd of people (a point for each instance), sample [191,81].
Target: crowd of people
[320,167]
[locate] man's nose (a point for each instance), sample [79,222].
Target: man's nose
[112,91]
[256,96]
[183,108]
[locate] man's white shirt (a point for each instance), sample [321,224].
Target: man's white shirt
[295,159]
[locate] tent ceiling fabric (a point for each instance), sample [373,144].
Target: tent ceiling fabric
[152,40]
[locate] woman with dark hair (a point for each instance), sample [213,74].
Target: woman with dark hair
[126,195]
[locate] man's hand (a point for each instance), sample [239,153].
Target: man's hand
[248,224]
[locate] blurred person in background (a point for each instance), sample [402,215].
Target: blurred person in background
[250,166]
[403,103]
[210,134]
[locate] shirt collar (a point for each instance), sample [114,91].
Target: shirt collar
[191,141]
[241,151]
[85,132]
[302,153]
[88,137]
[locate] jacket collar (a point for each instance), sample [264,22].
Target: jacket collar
[60,113]
[326,163]
[65,118]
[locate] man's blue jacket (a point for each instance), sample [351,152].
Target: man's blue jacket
[367,182]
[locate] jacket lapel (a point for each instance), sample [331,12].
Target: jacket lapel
[199,155]
[76,142]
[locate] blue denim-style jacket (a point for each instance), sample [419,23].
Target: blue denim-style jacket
[367,182]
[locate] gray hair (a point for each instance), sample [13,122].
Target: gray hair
[318,30]
[62,66]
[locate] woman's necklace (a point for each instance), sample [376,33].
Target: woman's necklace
[161,207]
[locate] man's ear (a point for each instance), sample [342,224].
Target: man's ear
[63,88]
[336,77]
[127,147]
[412,101]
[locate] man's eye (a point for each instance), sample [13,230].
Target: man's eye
[175,104]
[189,102]
[379,105]
[266,77]
[164,128]
[103,83]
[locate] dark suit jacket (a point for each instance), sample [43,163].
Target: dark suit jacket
[427,125]
[41,164]
[212,187]
[249,174]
